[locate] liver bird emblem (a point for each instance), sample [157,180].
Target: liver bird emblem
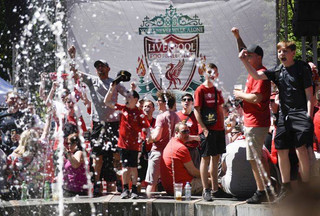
[173,73]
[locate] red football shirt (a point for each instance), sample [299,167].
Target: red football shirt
[192,124]
[204,96]
[180,154]
[132,123]
[257,115]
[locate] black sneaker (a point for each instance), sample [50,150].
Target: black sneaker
[221,194]
[257,198]
[125,194]
[206,195]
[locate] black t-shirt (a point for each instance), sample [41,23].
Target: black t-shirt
[291,82]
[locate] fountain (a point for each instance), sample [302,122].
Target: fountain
[25,67]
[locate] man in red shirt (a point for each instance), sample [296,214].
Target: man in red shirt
[132,123]
[256,101]
[183,169]
[187,115]
[208,96]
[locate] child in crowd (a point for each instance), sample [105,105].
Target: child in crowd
[132,123]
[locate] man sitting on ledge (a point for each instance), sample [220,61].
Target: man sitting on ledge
[184,169]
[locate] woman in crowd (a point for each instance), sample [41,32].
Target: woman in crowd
[74,168]
[26,163]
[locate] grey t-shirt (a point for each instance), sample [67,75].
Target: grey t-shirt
[98,90]
[238,180]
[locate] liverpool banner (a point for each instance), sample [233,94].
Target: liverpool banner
[164,43]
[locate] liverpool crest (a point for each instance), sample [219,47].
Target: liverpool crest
[171,61]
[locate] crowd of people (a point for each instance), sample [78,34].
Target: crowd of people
[223,147]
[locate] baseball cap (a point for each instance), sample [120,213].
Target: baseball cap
[255,49]
[123,76]
[100,61]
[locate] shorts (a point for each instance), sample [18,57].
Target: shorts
[109,133]
[214,144]
[129,158]
[153,171]
[294,130]
[255,136]
[102,132]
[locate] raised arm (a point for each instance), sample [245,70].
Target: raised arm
[47,125]
[55,85]
[108,97]
[43,77]
[257,75]
[236,34]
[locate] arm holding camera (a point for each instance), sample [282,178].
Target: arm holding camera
[76,158]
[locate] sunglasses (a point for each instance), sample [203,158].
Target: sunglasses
[185,131]
[187,99]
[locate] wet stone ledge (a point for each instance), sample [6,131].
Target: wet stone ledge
[112,205]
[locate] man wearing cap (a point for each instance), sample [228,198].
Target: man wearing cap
[294,128]
[105,123]
[256,101]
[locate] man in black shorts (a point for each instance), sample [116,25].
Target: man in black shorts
[105,124]
[295,127]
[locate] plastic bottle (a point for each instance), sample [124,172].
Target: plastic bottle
[187,191]
[46,194]
[24,191]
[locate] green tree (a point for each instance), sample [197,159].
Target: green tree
[291,36]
